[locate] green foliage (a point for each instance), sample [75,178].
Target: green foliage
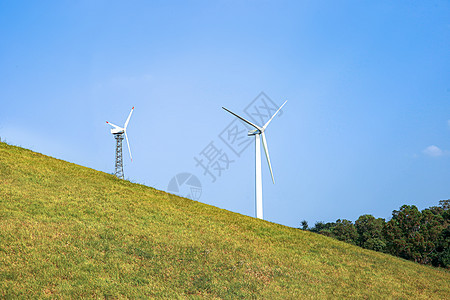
[370,234]
[402,232]
[67,231]
[415,235]
[304,225]
[441,256]
[421,236]
[440,233]
[323,228]
[345,231]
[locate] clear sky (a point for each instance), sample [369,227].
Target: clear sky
[365,130]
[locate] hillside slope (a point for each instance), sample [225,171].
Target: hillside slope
[70,231]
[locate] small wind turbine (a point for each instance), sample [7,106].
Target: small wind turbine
[118,133]
[259,131]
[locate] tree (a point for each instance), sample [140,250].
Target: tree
[442,254]
[418,236]
[445,204]
[422,236]
[344,230]
[323,228]
[440,257]
[304,225]
[402,233]
[431,229]
[370,235]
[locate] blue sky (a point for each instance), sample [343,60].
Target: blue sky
[365,130]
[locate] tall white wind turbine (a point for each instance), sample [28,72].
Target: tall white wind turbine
[118,133]
[259,132]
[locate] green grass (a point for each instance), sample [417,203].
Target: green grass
[68,231]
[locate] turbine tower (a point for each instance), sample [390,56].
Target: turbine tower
[258,132]
[118,133]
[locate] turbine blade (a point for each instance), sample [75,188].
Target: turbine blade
[113,125]
[128,119]
[248,122]
[129,150]
[265,126]
[266,150]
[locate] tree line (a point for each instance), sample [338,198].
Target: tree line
[420,236]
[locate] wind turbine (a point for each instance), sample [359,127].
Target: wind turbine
[118,133]
[259,132]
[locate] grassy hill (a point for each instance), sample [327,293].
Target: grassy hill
[70,231]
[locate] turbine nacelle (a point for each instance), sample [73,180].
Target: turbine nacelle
[254,132]
[116,130]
